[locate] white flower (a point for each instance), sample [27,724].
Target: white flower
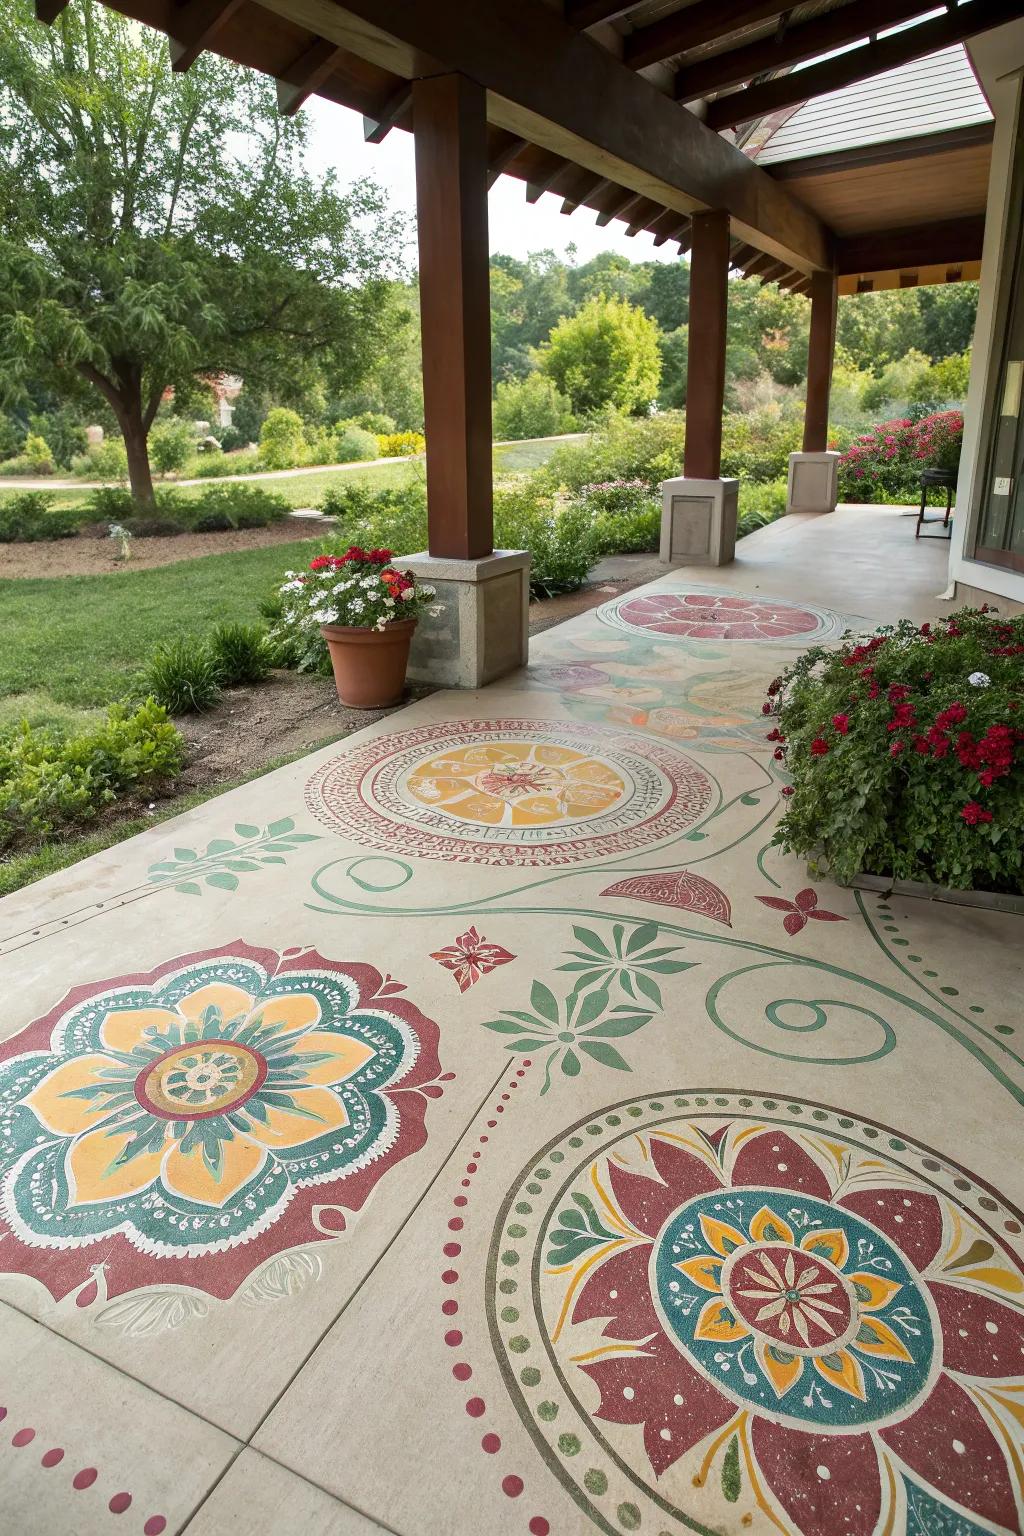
[979,680]
[357,605]
[408,595]
[381,623]
[330,616]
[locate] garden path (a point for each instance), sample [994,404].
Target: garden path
[478,1127]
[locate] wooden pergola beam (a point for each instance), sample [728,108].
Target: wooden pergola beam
[537,186]
[773,271]
[741,255]
[949,242]
[47,11]
[196,24]
[692,26]
[646,215]
[304,78]
[669,227]
[872,58]
[583,104]
[377,127]
[590,186]
[832,30]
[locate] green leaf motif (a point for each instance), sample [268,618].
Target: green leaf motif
[223,857]
[606,1054]
[577,1231]
[222,880]
[284,825]
[732,1478]
[243,829]
[543,1001]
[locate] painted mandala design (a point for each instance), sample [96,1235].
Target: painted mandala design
[764,1316]
[708,613]
[190,1116]
[509,792]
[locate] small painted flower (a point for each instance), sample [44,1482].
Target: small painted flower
[471,957]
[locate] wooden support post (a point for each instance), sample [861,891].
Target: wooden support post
[450,126]
[705,370]
[820,354]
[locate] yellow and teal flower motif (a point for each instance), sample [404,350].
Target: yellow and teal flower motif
[188,1108]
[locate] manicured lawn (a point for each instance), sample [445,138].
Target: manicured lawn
[80,639]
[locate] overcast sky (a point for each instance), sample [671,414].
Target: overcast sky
[516,226]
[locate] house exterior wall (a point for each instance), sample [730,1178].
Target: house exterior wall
[998,58]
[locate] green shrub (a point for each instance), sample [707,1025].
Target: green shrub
[560,539]
[171,444]
[282,440]
[50,780]
[31,517]
[215,466]
[241,654]
[399,445]
[107,461]
[605,354]
[760,505]
[624,515]
[394,518]
[235,506]
[648,449]
[376,422]
[38,455]
[530,407]
[756,445]
[354,444]
[906,754]
[885,464]
[182,676]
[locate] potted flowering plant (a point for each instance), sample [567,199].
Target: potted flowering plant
[366,611]
[905,753]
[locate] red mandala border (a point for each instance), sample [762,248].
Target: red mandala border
[361,822]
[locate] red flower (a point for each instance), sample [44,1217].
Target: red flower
[898,692]
[954,715]
[471,957]
[819,747]
[787,790]
[775,735]
[778,754]
[380,556]
[321,563]
[903,716]
[896,748]
[973,813]
[766,709]
[803,907]
[841,723]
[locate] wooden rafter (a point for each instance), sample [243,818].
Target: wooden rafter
[587,13]
[622,208]
[305,77]
[671,226]
[47,11]
[562,91]
[378,125]
[692,26]
[194,26]
[645,216]
[538,185]
[832,30]
[741,255]
[588,187]
[501,156]
[873,58]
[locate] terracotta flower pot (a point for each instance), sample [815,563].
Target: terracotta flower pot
[369,664]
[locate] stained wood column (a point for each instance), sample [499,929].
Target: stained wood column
[820,357]
[705,366]
[450,124]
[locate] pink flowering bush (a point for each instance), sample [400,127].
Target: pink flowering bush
[885,464]
[905,752]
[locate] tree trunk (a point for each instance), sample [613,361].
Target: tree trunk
[133,430]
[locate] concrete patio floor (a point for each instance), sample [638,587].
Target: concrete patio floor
[478,1127]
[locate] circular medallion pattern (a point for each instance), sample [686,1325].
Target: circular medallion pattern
[191,1118]
[709,613]
[810,1320]
[509,792]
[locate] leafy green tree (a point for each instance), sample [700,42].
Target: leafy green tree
[282,439]
[665,294]
[527,299]
[171,444]
[604,355]
[156,226]
[530,407]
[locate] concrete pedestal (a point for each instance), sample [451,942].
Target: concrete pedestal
[813,482]
[483,628]
[698,521]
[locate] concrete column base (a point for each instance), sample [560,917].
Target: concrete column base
[483,628]
[698,521]
[813,482]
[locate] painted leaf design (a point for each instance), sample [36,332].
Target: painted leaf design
[793,922]
[806,900]
[677,888]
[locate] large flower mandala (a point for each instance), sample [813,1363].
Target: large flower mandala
[709,613]
[204,1106]
[764,1325]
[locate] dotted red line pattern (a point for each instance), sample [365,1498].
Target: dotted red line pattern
[84,1478]
[512,1485]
